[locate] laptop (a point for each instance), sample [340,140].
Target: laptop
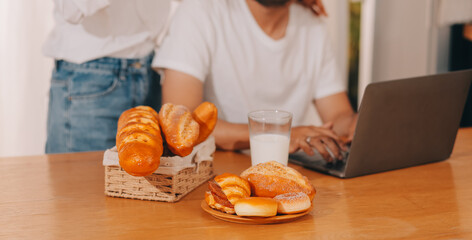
[401,123]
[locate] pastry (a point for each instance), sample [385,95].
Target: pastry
[295,202]
[270,179]
[225,190]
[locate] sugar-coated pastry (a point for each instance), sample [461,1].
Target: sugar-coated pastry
[256,207]
[295,202]
[139,141]
[272,178]
[206,114]
[179,128]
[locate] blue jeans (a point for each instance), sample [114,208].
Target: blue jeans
[86,100]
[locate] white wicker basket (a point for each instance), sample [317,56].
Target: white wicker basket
[175,177]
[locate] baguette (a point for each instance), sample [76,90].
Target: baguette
[179,128]
[206,115]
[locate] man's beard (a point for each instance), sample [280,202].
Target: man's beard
[273,3]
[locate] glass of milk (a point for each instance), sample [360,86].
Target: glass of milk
[269,132]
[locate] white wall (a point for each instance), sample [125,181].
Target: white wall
[338,27]
[401,39]
[405,38]
[24,76]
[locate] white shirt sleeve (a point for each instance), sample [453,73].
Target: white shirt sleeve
[328,80]
[186,48]
[73,11]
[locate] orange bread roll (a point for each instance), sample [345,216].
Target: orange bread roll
[139,141]
[179,128]
[206,115]
[270,179]
[256,207]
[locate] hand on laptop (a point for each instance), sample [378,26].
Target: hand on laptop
[319,138]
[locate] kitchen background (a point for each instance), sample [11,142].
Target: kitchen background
[374,40]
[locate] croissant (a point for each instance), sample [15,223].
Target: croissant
[139,141]
[225,190]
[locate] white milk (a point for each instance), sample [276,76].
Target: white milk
[269,147]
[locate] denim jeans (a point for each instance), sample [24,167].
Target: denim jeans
[86,100]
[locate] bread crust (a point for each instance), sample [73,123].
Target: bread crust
[210,200]
[256,207]
[179,128]
[206,115]
[233,186]
[225,190]
[290,203]
[272,178]
[138,141]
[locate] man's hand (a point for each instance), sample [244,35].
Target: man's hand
[320,138]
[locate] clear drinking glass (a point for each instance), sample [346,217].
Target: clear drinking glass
[269,132]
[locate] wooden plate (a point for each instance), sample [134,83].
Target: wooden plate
[253,220]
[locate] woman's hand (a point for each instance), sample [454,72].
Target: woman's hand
[320,138]
[316,6]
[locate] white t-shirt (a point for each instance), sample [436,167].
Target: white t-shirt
[242,68]
[91,29]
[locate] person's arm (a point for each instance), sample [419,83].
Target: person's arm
[184,89]
[337,110]
[339,118]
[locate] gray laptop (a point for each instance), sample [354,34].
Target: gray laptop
[402,123]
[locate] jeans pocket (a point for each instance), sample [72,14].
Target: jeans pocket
[59,77]
[92,83]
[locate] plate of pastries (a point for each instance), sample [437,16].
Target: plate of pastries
[262,194]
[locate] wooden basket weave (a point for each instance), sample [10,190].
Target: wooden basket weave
[157,187]
[175,177]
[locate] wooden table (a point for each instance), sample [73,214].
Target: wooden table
[61,197]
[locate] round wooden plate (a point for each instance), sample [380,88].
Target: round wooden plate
[253,220]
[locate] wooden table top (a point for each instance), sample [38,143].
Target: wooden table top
[62,197]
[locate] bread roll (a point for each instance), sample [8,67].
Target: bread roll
[256,207]
[225,190]
[139,141]
[206,115]
[272,178]
[289,203]
[179,128]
